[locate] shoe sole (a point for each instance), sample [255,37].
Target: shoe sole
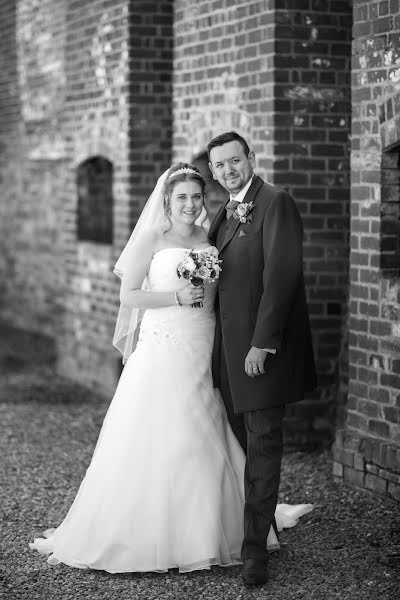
[248,580]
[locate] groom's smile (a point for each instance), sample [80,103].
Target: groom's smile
[231,167]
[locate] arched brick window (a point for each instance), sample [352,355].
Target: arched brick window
[390,213]
[216,195]
[95,200]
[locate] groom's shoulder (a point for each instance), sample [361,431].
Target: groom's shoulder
[271,189]
[269,196]
[267,191]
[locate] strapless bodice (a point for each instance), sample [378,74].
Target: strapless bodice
[163,276]
[182,326]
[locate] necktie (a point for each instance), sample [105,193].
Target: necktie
[231,207]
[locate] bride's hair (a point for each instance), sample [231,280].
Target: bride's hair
[178,173]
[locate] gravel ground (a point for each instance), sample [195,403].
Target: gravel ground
[345,549]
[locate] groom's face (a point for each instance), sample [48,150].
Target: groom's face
[230,166]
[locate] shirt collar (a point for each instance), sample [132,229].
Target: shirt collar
[240,196]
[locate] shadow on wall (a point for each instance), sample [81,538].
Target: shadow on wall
[21,349]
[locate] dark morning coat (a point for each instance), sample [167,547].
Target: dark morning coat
[261,301]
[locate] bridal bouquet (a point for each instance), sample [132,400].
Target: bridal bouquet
[198,268]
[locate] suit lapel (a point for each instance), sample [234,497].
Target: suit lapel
[217,220]
[233,224]
[250,196]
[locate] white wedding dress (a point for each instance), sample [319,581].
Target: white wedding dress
[165,486]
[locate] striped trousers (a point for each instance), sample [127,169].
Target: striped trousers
[260,434]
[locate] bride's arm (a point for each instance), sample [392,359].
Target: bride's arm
[131,293]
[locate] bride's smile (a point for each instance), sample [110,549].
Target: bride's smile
[186,203]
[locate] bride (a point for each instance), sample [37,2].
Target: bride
[165,487]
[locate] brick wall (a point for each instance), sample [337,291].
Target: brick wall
[118,106]
[223,76]
[82,79]
[367,448]
[312,126]
[10,181]
[95,123]
[279,73]
[31,162]
[150,87]
[104,88]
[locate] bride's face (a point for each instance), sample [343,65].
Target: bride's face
[186,202]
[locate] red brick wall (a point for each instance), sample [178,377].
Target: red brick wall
[367,448]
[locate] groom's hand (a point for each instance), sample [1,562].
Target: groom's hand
[254,362]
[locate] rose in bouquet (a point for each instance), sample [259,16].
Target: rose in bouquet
[198,268]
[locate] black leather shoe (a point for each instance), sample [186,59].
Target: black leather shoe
[254,572]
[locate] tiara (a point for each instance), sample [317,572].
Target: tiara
[182,171]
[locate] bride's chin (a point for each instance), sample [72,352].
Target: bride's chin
[188,221]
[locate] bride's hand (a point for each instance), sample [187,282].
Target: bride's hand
[190,294]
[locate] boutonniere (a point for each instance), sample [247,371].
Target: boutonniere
[243,212]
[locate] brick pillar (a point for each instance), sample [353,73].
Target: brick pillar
[10,144]
[118,107]
[32,162]
[367,448]
[150,97]
[311,153]
[223,76]
[279,73]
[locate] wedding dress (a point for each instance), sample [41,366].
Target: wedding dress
[164,488]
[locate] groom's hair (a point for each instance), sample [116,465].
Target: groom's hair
[224,138]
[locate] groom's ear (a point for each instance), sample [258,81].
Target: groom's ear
[252,158]
[212,171]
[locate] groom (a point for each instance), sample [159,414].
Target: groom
[263,356]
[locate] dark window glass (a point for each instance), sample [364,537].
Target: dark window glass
[95,200]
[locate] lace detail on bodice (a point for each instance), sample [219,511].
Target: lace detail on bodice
[180,326]
[160,333]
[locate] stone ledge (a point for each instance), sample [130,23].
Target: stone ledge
[21,348]
[371,464]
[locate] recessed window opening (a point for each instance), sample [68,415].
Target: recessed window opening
[216,195]
[390,213]
[95,200]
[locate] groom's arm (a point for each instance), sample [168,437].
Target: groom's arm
[283,264]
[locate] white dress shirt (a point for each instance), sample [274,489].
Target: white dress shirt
[240,195]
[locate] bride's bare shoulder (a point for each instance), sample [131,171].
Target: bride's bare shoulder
[151,236]
[148,242]
[156,239]
[201,234]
